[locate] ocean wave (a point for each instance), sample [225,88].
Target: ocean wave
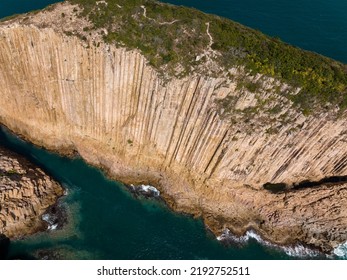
[341,251]
[297,250]
[146,190]
[46,218]
[50,220]
[150,189]
[53,227]
[55,217]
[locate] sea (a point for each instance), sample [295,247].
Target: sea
[104,220]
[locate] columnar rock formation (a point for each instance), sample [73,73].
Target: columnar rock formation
[26,192]
[203,141]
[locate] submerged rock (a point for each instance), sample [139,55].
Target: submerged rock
[49,254]
[55,217]
[26,192]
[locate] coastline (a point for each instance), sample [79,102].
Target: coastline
[200,140]
[217,227]
[26,194]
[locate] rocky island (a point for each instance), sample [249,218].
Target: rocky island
[230,125]
[26,193]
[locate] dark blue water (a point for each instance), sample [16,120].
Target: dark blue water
[105,221]
[316,25]
[11,7]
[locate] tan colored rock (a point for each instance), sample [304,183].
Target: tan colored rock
[26,192]
[118,113]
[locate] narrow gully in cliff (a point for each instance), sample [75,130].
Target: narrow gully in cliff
[282,187]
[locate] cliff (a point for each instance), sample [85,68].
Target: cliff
[26,193]
[209,142]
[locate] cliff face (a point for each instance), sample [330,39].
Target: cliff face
[202,140]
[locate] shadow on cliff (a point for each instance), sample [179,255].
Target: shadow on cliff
[282,187]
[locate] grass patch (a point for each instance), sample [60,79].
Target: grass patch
[12,172]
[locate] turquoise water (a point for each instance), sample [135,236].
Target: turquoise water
[104,220]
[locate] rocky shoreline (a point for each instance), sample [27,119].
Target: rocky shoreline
[320,211]
[304,244]
[26,193]
[146,191]
[208,145]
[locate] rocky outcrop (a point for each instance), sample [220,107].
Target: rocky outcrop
[26,192]
[207,143]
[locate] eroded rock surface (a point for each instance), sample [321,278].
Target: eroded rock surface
[207,144]
[26,192]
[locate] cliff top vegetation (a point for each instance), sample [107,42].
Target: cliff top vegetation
[181,41]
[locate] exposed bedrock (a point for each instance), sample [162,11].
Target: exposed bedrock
[26,192]
[207,158]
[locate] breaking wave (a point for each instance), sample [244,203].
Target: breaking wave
[146,190]
[150,189]
[341,251]
[50,220]
[297,250]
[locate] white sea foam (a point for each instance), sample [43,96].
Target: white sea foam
[49,219]
[300,251]
[46,218]
[294,251]
[341,251]
[150,189]
[53,227]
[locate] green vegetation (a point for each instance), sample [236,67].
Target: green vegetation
[320,78]
[250,86]
[12,172]
[162,44]
[323,81]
